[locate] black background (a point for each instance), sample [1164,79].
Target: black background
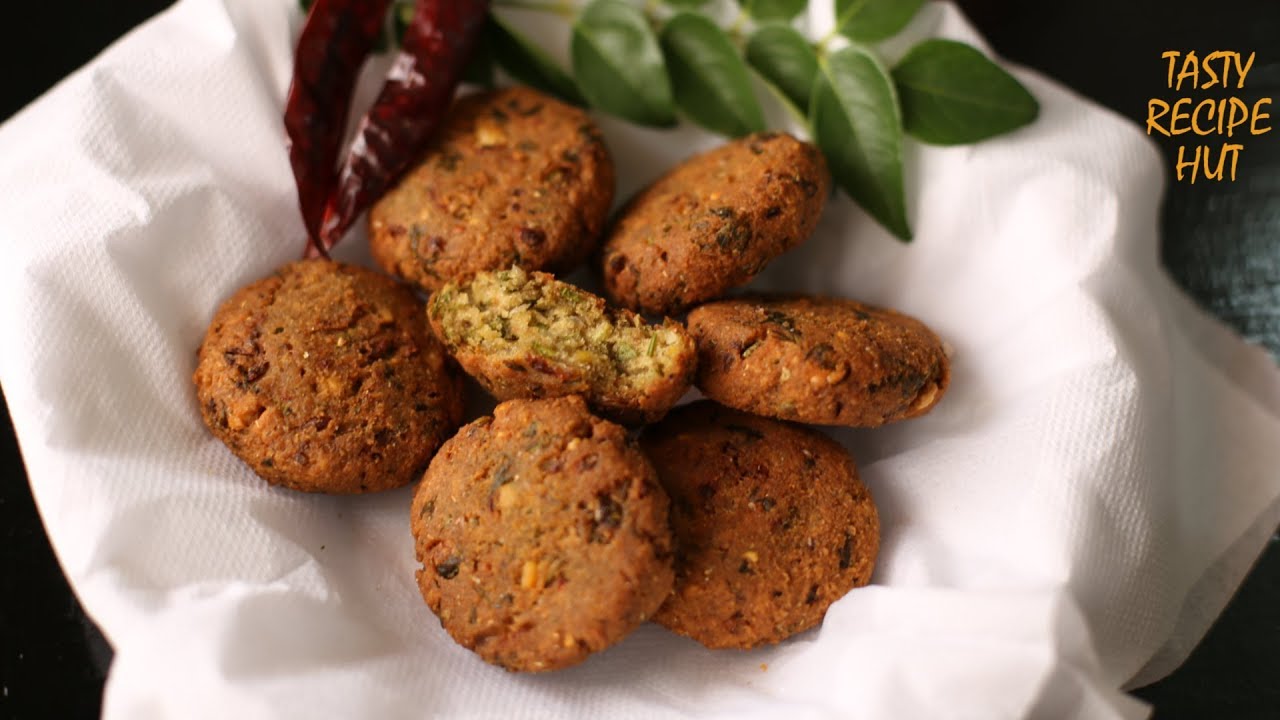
[1221,242]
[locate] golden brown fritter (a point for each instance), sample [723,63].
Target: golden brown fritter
[324,377]
[826,361]
[513,177]
[714,222]
[528,335]
[771,523]
[542,534]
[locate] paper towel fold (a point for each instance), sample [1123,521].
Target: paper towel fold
[1070,518]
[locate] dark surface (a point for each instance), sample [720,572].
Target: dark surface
[1222,242]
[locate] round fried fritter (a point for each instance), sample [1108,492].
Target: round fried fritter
[528,335]
[513,177]
[771,523]
[542,534]
[714,222]
[825,361]
[324,377]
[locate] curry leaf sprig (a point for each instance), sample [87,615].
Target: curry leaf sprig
[652,61]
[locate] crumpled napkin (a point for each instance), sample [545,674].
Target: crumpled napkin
[1070,518]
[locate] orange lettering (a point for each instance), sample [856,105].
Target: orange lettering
[1239,115]
[1208,68]
[1179,112]
[1243,71]
[1172,57]
[1195,117]
[1190,69]
[1259,115]
[1153,118]
[1235,158]
[1183,164]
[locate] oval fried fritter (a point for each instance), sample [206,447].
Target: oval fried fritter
[543,535]
[324,377]
[513,177]
[528,335]
[771,522]
[825,361]
[714,222]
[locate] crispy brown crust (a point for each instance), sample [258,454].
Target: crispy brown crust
[826,361]
[714,222]
[543,535]
[325,378]
[513,177]
[531,375]
[772,525]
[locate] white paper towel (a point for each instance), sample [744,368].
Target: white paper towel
[1072,516]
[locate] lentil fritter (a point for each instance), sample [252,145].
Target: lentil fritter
[713,222]
[526,334]
[513,177]
[826,361]
[771,522]
[324,377]
[543,535]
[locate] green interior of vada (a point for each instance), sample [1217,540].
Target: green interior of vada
[512,314]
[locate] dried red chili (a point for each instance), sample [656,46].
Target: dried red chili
[419,88]
[337,37]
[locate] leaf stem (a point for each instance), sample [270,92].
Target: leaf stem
[796,113]
[653,14]
[841,21]
[735,29]
[563,8]
[821,45]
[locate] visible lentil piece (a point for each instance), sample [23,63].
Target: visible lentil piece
[449,568]
[846,552]
[735,238]
[607,519]
[812,597]
[532,237]
[822,354]
[750,432]
[502,475]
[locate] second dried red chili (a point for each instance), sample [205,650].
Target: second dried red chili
[418,92]
[337,37]
[415,98]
